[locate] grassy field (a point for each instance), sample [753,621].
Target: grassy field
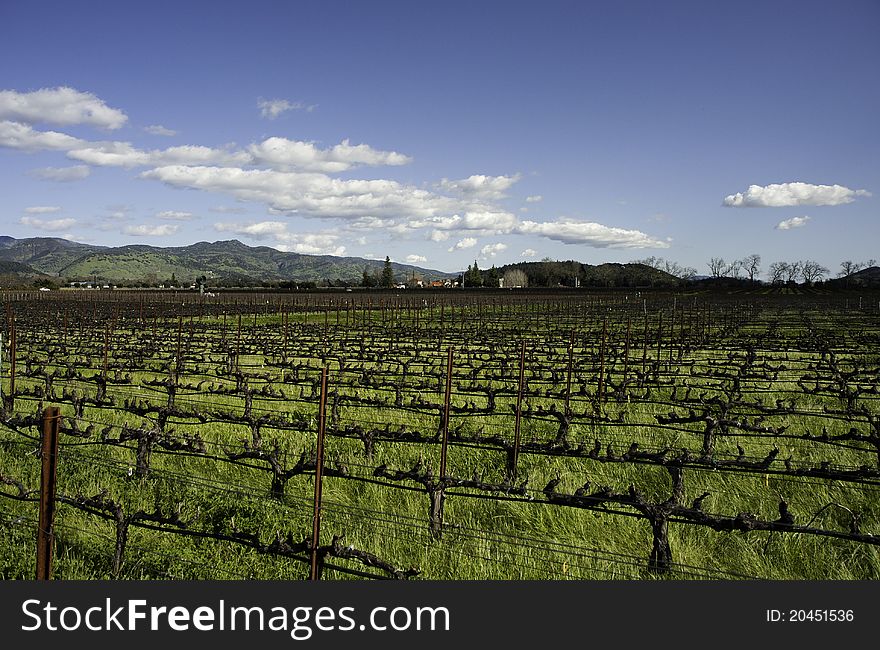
[661,435]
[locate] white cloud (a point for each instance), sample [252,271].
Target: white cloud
[486,221]
[416,259]
[781,195]
[54,225]
[123,154]
[314,195]
[529,252]
[258,230]
[467,242]
[491,250]
[438,235]
[16,135]
[158,129]
[794,222]
[62,174]
[272,108]
[174,215]
[534,199]
[145,230]
[61,105]
[42,209]
[290,155]
[590,233]
[226,209]
[319,243]
[480,186]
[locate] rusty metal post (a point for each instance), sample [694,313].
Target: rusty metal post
[45,532]
[314,574]
[517,426]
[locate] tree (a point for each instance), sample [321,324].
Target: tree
[672,268]
[812,271]
[387,274]
[792,271]
[473,277]
[848,267]
[677,270]
[515,278]
[778,271]
[717,267]
[752,266]
[368,280]
[494,276]
[732,270]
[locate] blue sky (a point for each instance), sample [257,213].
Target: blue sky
[439,134]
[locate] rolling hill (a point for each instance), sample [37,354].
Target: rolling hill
[222,262]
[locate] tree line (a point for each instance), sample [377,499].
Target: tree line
[783,272]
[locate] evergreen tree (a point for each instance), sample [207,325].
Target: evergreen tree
[473,277]
[387,274]
[368,280]
[494,276]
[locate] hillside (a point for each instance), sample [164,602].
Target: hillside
[556,273]
[222,262]
[869,277]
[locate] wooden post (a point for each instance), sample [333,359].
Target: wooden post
[319,472]
[45,532]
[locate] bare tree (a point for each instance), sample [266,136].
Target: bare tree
[515,278]
[752,266]
[717,267]
[848,267]
[812,271]
[653,261]
[672,268]
[778,271]
[679,271]
[792,271]
[733,269]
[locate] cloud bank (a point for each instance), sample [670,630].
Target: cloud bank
[62,106]
[782,195]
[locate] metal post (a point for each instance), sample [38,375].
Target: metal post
[446,404]
[45,532]
[12,337]
[514,459]
[601,392]
[319,471]
[568,380]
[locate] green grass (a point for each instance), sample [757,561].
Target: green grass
[483,538]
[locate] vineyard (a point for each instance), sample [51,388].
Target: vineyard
[445,435]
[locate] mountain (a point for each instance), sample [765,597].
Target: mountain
[222,262]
